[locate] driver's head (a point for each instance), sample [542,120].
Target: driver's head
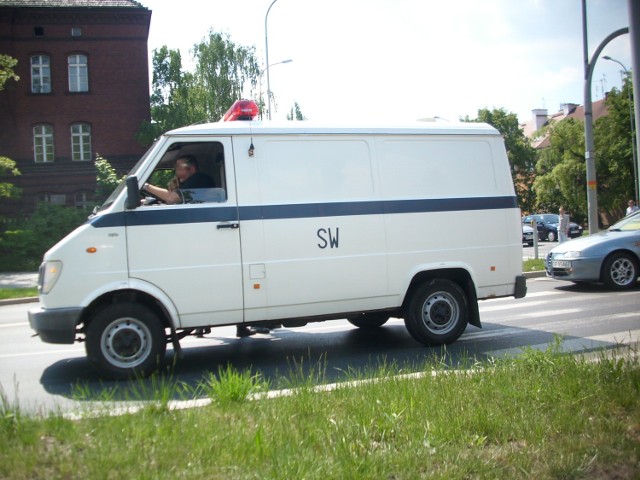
[186,166]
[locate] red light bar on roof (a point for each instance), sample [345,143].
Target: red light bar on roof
[241,110]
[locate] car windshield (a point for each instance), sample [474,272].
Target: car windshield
[627,224]
[548,218]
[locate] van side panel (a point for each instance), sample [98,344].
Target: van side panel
[449,206]
[317,231]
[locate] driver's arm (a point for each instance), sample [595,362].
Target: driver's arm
[167,196]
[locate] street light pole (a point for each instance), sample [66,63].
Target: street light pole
[633,133]
[266,70]
[590,155]
[266,52]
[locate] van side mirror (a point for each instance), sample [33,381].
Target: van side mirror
[133,193]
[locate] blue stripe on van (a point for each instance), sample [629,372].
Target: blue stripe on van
[164,216]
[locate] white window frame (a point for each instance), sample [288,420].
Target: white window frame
[80,142]
[40,73]
[83,199]
[78,72]
[43,151]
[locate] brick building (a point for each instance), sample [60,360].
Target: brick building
[83,90]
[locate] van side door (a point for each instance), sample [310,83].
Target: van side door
[190,251]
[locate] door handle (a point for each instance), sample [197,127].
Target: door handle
[233,225]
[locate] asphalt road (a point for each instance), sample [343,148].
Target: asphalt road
[43,377]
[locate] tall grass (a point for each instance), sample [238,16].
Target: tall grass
[540,415]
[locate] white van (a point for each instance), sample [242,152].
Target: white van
[304,223]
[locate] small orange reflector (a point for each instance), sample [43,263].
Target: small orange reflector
[493,268]
[92,250]
[256,286]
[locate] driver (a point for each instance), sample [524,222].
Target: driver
[188,176]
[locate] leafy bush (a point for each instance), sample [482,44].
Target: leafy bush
[23,245]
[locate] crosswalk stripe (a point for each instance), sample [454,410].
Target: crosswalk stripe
[573,345]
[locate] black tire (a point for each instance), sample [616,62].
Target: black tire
[551,236]
[530,244]
[125,340]
[620,271]
[437,312]
[369,321]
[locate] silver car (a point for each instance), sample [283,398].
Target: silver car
[611,257]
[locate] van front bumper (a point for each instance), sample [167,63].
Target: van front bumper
[57,325]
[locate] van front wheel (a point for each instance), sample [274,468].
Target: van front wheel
[437,313]
[125,340]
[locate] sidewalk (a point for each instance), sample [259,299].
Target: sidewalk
[18,280]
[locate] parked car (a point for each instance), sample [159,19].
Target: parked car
[527,234]
[547,224]
[611,257]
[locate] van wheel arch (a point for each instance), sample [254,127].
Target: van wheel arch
[456,275]
[128,296]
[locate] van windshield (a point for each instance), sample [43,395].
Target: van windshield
[109,201]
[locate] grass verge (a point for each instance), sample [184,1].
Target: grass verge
[9,293]
[533,265]
[541,415]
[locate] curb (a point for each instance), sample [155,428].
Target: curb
[536,274]
[18,301]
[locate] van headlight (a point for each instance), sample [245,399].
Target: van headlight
[49,273]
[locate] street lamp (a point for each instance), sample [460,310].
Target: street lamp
[266,52]
[266,70]
[633,135]
[589,150]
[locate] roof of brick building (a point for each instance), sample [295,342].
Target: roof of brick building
[71,4]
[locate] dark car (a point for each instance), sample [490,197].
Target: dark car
[547,224]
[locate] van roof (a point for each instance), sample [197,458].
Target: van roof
[308,127]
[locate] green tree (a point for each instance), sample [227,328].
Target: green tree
[222,73]
[170,106]
[223,70]
[23,245]
[8,166]
[8,169]
[561,168]
[6,70]
[107,178]
[615,169]
[296,113]
[520,153]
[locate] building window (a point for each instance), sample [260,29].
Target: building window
[80,141]
[43,143]
[78,73]
[51,198]
[40,74]
[83,200]
[76,31]
[38,31]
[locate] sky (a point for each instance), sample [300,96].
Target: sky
[410,59]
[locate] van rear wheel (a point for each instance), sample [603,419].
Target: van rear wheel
[125,340]
[437,312]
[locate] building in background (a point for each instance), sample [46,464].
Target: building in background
[83,91]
